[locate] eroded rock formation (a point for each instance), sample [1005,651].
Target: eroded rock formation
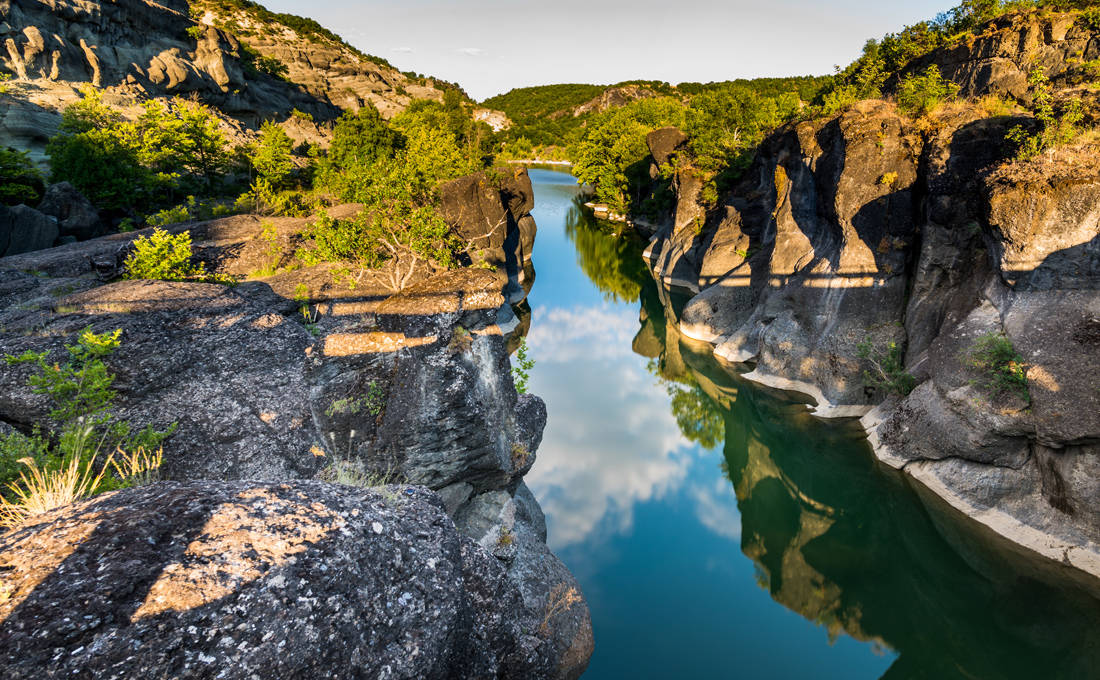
[139,49]
[869,227]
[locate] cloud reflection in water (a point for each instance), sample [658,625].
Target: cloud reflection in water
[611,441]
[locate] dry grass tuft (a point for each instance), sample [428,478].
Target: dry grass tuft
[39,491]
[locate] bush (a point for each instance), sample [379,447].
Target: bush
[887,368]
[918,95]
[126,166]
[1003,369]
[521,371]
[44,470]
[167,258]
[20,181]
[1053,130]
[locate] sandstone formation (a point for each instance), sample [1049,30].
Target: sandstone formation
[871,227]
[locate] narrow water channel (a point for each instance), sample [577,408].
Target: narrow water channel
[719,531]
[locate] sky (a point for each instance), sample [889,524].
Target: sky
[492,46]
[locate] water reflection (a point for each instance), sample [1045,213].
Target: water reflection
[657,460]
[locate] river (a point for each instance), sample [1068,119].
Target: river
[718,530]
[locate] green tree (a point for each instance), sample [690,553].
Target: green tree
[273,158]
[20,181]
[611,154]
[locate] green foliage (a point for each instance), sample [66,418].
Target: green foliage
[887,367]
[521,369]
[612,154]
[126,165]
[1003,369]
[373,402]
[375,236]
[80,388]
[273,157]
[697,416]
[175,215]
[20,181]
[167,258]
[255,63]
[81,393]
[4,78]
[918,95]
[196,32]
[1053,130]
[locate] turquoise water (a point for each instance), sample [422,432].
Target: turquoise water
[719,531]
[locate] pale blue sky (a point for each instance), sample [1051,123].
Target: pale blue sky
[491,46]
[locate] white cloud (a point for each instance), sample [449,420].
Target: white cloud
[610,442]
[403,50]
[473,51]
[716,508]
[566,335]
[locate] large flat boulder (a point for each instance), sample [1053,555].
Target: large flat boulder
[243,579]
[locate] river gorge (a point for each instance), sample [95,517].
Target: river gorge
[718,529]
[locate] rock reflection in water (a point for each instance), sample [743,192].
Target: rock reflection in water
[844,541]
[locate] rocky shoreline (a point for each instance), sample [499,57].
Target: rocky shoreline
[867,229]
[412,389]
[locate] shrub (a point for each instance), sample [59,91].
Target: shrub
[521,370]
[20,181]
[176,215]
[887,368]
[123,165]
[273,157]
[1054,130]
[43,470]
[918,95]
[1003,369]
[168,258]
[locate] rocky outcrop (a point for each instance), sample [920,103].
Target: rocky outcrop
[235,579]
[999,57]
[613,98]
[491,211]
[24,229]
[140,49]
[864,228]
[75,214]
[366,387]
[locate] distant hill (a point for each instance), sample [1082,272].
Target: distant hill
[549,115]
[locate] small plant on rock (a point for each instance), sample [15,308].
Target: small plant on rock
[919,95]
[561,600]
[521,370]
[168,258]
[1054,130]
[887,368]
[520,454]
[1003,369]
[461,340]
[59,467]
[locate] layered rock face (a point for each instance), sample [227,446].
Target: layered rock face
[138,49]
[413,388]
[868,227]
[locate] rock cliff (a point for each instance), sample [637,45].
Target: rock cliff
[219,53]
[871,227]
[413,388]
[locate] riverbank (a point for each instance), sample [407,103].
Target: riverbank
[770,530]
[403,403]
